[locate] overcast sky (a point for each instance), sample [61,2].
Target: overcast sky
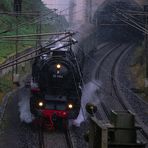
[65,5]
[78,11]
[58,4]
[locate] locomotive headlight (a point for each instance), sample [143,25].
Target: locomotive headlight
[58,66]
[70,106]
[40,104]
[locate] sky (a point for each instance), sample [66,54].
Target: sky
[77,13]
[58,4]
[65,5]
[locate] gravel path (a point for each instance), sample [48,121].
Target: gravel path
[15,133]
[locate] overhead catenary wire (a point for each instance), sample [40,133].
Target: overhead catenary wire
[28,59]
[46,14]
[43,34]
[19,25]
[39,34]
[34,19]
[34,51]
[137,27]
[133,15]
[7,40]
[101,87]
[129,23]
[123,16]
[128,20]
[22,13]
[133,26]
[39,18]
[59,40]
[79,71]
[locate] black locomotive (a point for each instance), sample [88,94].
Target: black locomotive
[55,87]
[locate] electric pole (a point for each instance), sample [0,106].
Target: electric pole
[71,12]
[39,30]
[17,10]
[16,43]
[90,10]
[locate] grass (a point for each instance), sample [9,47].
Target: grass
[6,83]
[138,72]
[8,23]
[137,75]
[8,27]
[8,48]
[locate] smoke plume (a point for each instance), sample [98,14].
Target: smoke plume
[24,109]
[88,96]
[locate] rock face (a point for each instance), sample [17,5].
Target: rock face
[91,6]
[84,10]
[142,2]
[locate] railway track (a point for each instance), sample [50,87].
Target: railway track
[54,139]
[59,138]
[112,92]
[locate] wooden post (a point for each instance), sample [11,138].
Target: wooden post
[98,137]
[16,44]
[17,10]
[38,31]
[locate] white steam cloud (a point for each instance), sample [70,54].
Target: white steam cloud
[88,95]
[24,109]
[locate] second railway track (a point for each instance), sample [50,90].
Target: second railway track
[107,73]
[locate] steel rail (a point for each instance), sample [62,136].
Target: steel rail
[99,69]
[115,86]
[104,46]
[97,75]
[41,138]
[113,70]
[114,83]
[41,135]
[68,139]
[102,60]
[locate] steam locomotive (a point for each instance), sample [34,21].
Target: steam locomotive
[55,87]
